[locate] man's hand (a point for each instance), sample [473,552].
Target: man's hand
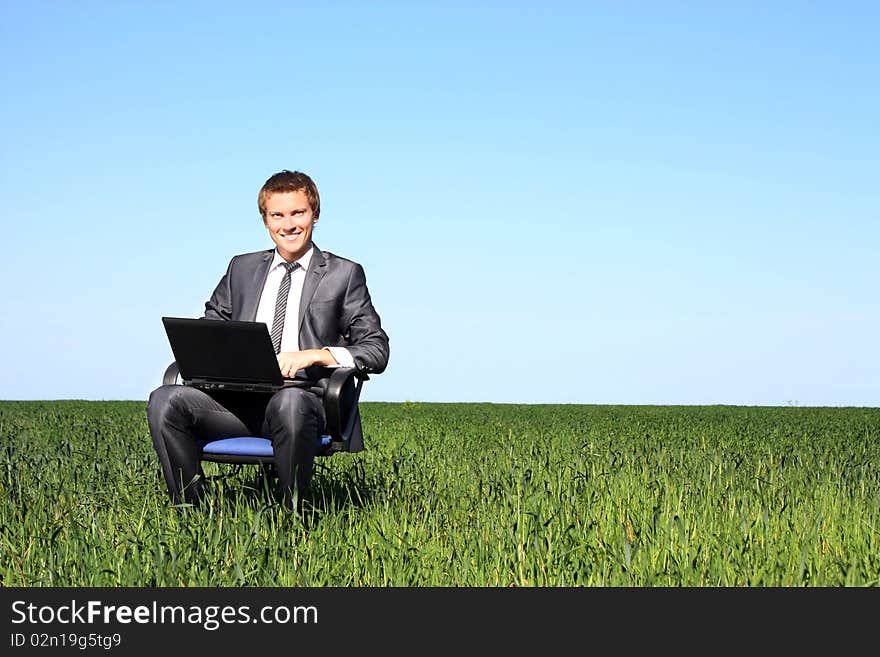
[290,362]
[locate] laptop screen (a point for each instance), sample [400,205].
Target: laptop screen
[223,351]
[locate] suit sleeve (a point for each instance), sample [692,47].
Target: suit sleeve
[364,337]
[219,306]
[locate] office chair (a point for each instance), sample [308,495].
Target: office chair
[341,392]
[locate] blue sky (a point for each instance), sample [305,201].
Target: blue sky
[562,202]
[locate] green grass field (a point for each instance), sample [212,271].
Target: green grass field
[459,495]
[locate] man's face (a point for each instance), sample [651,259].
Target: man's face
[289,221]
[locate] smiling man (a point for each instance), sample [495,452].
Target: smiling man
[319,314]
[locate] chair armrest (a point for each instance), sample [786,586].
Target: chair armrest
[340,400]
[170,376]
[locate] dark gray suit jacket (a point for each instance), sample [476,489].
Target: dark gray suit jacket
[335,310]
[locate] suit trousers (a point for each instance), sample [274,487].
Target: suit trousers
[182,418]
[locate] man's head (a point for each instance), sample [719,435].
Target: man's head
[290,181]
[290,205]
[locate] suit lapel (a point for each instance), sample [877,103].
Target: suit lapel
[251,301]
[317,269]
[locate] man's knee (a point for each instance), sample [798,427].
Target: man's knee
[291,400]
[165,400]
[294,410]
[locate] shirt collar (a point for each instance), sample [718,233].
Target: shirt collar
[303,261]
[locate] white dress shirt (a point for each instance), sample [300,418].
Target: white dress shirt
[266,308]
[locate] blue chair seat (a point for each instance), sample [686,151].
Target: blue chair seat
[258,448]
[240,446]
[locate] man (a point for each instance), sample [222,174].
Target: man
[319,313]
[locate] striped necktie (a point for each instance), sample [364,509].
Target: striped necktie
[281,305]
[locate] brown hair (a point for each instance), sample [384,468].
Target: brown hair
[290,181]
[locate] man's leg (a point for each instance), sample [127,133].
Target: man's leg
[178,417]
[294,420]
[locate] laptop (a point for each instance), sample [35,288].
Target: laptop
[216,354]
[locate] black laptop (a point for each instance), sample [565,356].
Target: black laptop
[214,354]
